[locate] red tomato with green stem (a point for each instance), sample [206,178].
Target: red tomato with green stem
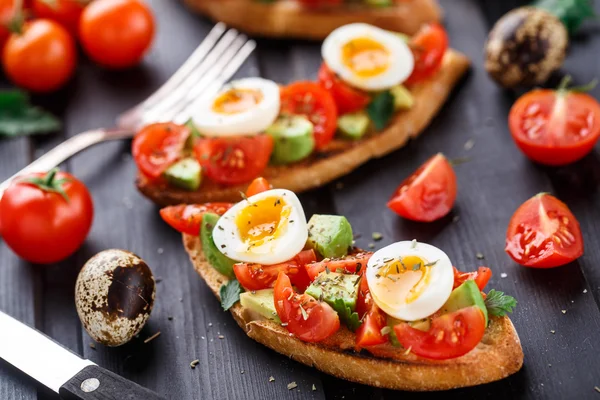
[481,277]
[46,217]
[315,103]
[65,12]
[543,233]
[347,99]
[428,47]
[307,318]
[187,218]
[428,194]
[555,127]
[450,335]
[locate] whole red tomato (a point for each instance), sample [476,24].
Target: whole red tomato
[116,33]
[46,217]
[65,12]
[40,58]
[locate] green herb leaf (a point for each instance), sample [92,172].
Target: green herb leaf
[195,132]
[230,294]
[381,109]
[572,13]
[498,304]
[346,315]
[18,117]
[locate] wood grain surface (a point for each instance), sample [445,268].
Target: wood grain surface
[492,184]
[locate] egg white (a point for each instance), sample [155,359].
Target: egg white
[227,238]
[401,58]
[250,122]
[434,295]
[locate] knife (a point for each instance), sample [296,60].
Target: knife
[57,368]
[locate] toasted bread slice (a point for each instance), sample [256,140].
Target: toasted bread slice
[497,356]
[288,19]
[342,156]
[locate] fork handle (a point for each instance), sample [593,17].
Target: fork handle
[67,149]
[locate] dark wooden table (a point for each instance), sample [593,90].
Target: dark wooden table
[495,181]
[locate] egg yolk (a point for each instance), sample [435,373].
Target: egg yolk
[263,221]
[365,57]
[236,101]
[408,275]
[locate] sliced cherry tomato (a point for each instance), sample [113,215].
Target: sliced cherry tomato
[369,333]
[257,186]
[555,127]
[543,233]
[308,319]
[65,12]
[481,277]
[364,302]
[232,161]
[450,336]
[350,264]
[187,218]
[257,277]
[428,46]
[158,146]
[428,194]
[314,102]
[347,99]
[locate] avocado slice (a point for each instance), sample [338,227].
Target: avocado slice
[329,235]
[353,125]
[379,3]
[340,291]
[466,295]
[293,139]
[185,174]
[261,302]
[403,99]
[216,259]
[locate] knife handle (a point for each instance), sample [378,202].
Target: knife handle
[95,383]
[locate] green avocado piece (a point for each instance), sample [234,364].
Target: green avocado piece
[261,302]
[353,125]
[466,295]
[403,100]
[185,174]
[379,3]
[293,139]
[329,235]
[422,324]
[331,286]
[216,259]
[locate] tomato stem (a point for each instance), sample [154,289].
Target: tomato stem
[563,86]
[48,183]
[16,21]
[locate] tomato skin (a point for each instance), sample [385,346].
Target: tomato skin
[314,102]
[187,218]
[257,186]
[555,127]
[42,58]
[347,99]
[65,12]
[369,333]
[348,265]
[6,14]
[42,227]
[317,323]
[543,233]
[428,194]
[428,46]
[116,33]
[481,277]
[450,336]
[157,146]
[236,160]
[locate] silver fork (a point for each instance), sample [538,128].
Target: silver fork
[213,63]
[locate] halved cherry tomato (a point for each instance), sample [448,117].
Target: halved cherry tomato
[428,194]
[257,276]
[187,218]
[315,103]
[369,333]
[428,46]
[65,12]
[350,264]
[232,161]
[450,336]
[347,99]
[257,186]
[364,302]
[555,127]
[308,319]
[481,277]
[158,146]
[543,233]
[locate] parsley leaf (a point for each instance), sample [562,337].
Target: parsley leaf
[192,127]
[18,117]
[230,294]
[572,13]
[499,304]
[381,109]
[346,315]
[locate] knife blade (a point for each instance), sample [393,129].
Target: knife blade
[61,370]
